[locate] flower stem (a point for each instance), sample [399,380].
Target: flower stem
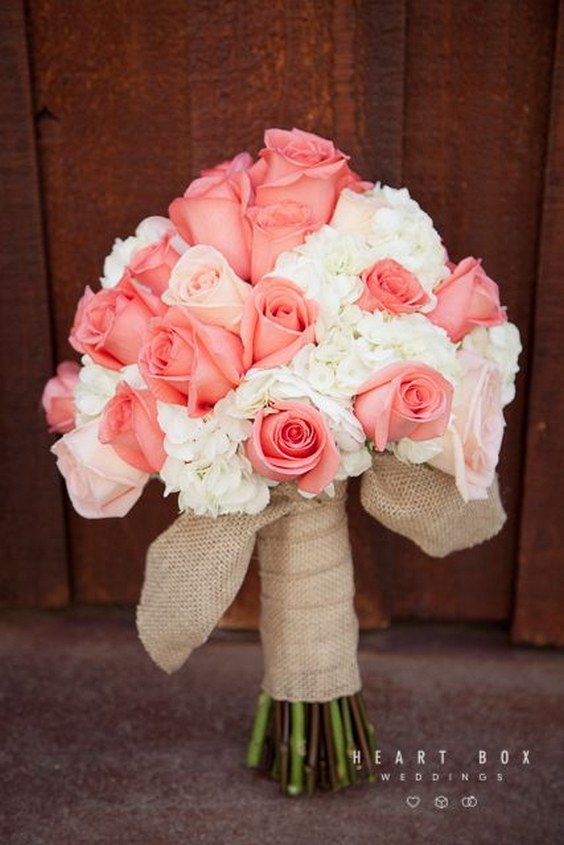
[260,725]
[349,738]
[297,748]
[339,743]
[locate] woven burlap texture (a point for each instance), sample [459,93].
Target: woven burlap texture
[424,505]
[309,628]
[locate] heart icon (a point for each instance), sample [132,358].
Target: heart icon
[413,801]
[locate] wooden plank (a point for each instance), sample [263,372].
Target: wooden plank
[539,610]
[34,568]
[477,89]
[111,89]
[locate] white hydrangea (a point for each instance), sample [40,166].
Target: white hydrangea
[95,388]
[207,465]
[417,451]
[409,337]
[148,232]
[502,345]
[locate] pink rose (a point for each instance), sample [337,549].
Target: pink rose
[277,321]
[466,299]
[129,424]
[302,167]
[185,362]
[213,208]
[203,282]
[355,211]
[151,266]
[99,483]
[292,441]
[472,442]
[275,229]
[58,397]
[407,399]
[390,287]
[109,325]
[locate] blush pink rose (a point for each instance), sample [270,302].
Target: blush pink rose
[466,299]
[472,442]
[98,482]
[407,399]
[355,211]
[388,286]
[277,321]
[300,166]
[213,211]
[203,282]
[292,441]
[185,362]
[277,228]
[129,424]
[152,265]
[109,325]
[58,398]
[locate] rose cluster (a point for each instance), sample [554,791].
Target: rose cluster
[285,322]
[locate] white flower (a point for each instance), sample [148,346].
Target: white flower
[409,337]
[148,232]
[95,388]
[502,345]
[417,451]
[221,486]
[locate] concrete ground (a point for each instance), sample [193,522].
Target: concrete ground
[99,746]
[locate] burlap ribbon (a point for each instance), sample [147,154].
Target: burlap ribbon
[309,628]
[424,505]
[308,623]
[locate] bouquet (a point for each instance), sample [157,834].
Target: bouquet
[287,326]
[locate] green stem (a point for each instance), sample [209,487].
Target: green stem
[297,748]
[349,738]
[260,725]
[339,743]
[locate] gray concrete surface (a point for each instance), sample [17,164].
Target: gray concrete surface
[99,746]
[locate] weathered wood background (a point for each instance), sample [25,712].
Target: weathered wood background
[112,107]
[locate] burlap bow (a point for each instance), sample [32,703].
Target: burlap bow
[309,628]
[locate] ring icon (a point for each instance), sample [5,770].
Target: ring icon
[441,802]
[469,801]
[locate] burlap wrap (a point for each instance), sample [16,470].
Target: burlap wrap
[308,626]
[424,505]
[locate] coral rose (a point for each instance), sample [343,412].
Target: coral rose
[277,228]
[291,441]
[407,399]
[129,424]
[109,325]
[300,166]
[388,286]
[213,208]
[58,397]
[277,321]
[185,362]
[466,299]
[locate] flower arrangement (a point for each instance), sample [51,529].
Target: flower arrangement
[286,327]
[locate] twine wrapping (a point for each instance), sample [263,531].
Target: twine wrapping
[424,505]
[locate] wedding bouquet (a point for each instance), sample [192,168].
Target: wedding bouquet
[286,327]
